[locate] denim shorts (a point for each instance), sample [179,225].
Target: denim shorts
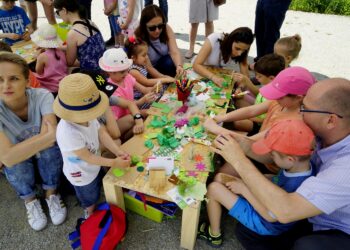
[113,20]
[22,175]
[89,194]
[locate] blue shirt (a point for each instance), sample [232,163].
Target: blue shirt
[329,190]
[289,182]
[13,21]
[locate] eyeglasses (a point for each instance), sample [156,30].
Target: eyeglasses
[154,27]
[303,109]
[58,12]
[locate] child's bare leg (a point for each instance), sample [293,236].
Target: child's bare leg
[49,13]
[226,169]
[209,28]
[218,196]
[120,39]
[90,209]
[33,14]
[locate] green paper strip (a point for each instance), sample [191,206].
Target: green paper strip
[118,172]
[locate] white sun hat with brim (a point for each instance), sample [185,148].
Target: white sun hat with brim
[46,37]
[114,60]
[79,100]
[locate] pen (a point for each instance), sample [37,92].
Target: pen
[240,94]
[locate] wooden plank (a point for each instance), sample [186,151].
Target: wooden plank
[189,225]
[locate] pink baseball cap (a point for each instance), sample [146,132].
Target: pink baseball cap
[290,81]
[292,137]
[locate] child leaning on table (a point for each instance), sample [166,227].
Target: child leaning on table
[266,69]
[14,23]
[137,50]
[290,142]
[51,64]
[79,103]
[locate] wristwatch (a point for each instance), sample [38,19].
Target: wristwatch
[137,116]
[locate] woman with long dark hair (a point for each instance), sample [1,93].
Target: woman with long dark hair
[219,49]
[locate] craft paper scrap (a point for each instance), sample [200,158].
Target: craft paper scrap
[161,162]
[181,201]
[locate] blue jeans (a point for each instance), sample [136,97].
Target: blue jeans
[22,175]
[163,5]
[89,194]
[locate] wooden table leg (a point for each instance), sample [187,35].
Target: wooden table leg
[189,225]
[113,193]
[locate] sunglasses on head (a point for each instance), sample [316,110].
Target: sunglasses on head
[154,27]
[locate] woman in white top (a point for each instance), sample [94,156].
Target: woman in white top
[219,49]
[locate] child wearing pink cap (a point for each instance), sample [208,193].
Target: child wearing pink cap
[290,143]
[286,92]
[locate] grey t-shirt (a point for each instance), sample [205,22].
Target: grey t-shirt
[39,104]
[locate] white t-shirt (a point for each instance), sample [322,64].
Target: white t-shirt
[72,137]
[215,57]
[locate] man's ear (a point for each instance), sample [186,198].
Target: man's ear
[332,121]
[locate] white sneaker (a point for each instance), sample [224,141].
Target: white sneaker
[36,218]
[57,209]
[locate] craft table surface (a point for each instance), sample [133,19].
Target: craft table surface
[25,49]
[138,181]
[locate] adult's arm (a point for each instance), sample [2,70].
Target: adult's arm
[72,48]
[286,207]
[198,64]
[12,154]
[174,50]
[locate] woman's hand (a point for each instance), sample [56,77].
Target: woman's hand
[217,80]
[179,70]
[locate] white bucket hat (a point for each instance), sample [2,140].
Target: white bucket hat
[114,60]
[46,37]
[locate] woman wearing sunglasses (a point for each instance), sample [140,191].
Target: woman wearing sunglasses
[163,53]
[84,40]
[219,49]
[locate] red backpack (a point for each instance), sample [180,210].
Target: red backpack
[103,230]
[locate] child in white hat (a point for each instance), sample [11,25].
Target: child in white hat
[51,64]
[79,103]
[116,64]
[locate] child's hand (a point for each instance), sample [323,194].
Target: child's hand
[211,126]
[139,127]
[13,36]
[121,162]
[149,97]
[236,185]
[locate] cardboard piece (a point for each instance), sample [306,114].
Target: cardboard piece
[135,146]
[157,179]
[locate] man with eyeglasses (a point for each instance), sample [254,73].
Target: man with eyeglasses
[323,199]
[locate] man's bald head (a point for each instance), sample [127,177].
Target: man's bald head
[332,95]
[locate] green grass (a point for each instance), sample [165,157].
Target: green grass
[337,7]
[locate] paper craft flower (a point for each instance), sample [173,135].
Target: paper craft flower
[198,158]
[192,173]
[200,166]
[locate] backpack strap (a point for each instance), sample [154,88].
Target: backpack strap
[75,235]
[104,224]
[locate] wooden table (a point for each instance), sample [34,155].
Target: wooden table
[136,181]
[25,49]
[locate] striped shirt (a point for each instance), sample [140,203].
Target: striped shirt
[329,190]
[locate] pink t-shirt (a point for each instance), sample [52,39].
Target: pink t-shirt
[126,92]
[54,71]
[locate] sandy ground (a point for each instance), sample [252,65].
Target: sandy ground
[325,51]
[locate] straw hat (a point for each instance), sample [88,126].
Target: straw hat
[79,100]
[46,37]
[114,60]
